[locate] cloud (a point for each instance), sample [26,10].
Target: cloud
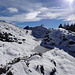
[42,13]
[71,18]
[32,10]
[32,15]
[55,13]
[12,10]
[25,17]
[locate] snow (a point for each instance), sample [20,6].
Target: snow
[62,39]
[29,58]
[65,63]
[38,31]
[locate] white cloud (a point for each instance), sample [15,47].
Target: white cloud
[71,18]
[25,17]
[32,15]
[42,13]
[35,11]
[54,13]
[12,10]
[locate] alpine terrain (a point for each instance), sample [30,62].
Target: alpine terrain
[36,50]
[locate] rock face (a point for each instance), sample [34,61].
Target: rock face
[38,31]
[8,37]
[61,39]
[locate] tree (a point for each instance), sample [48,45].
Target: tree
[68,26]
[27,27]
[60,26]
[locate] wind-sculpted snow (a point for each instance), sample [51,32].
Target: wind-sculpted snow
[53,62]
[25,56]
[62,39]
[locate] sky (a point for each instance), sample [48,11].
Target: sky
[36,12]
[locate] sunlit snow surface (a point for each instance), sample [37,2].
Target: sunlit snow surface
[25,59]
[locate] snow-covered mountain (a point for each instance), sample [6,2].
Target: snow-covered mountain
[21,54]
[62,39]
[38,31]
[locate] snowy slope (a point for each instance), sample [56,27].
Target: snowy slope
[22,57]
[62,39]
[13,34]
[55,62]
